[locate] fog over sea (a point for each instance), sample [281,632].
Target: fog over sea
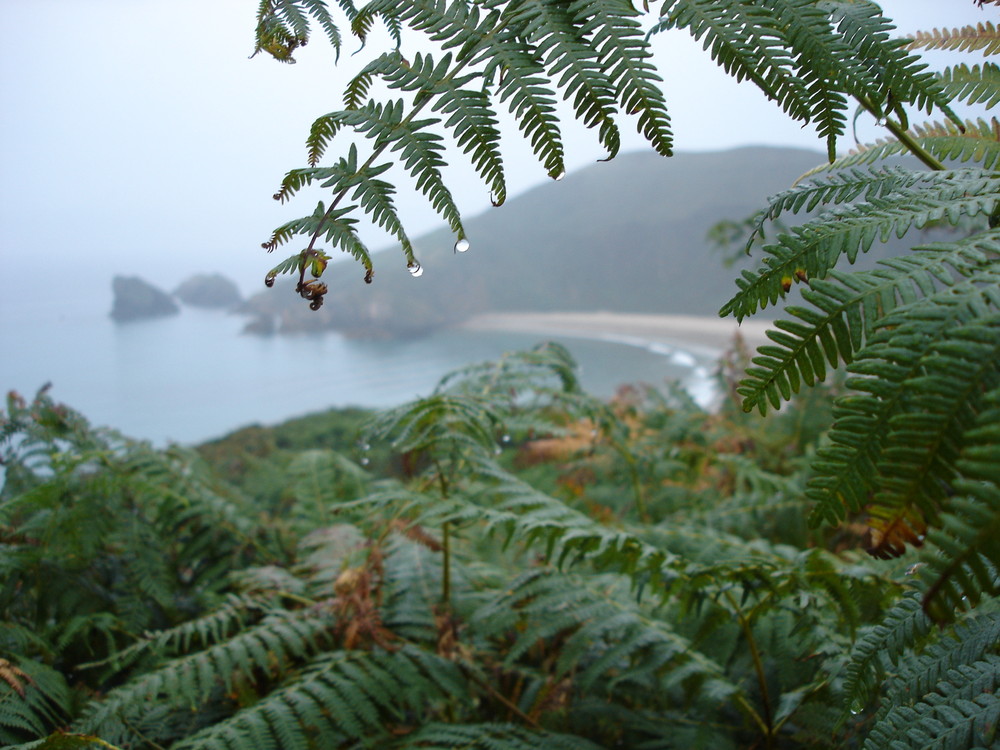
[194,377]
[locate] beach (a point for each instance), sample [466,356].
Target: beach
[698,334]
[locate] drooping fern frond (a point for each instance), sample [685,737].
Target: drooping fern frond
[904,627]
[283,26]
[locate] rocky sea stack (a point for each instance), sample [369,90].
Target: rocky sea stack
[209,290]
[137,299]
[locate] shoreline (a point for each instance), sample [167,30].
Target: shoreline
[699,334]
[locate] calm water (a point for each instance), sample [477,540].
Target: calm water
[194,377]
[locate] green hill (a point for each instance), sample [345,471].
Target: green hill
[623,236]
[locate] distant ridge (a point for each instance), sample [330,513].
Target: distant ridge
[623,236]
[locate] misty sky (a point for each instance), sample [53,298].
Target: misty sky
[137,136]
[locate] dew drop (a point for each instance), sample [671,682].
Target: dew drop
[365,460]
[506,438]
[416,270]
[462,246]
[364,446]
[559,176]
[497,451]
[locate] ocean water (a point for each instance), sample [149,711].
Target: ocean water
[194,376]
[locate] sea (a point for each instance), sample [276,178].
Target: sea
[195,376]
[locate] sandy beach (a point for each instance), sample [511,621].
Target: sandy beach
[696,333]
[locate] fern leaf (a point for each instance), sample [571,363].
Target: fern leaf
[492,737]
[617,36]
[569,58]
[903,627]
[919,344]
[967,555]
[945,141]
[34,699]
[811,250]
[525,89]
[982,36]
[901,75]
[844,311]
[975,85]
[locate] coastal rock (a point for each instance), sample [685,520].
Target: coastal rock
[209,290]
[261,325]
[137,299]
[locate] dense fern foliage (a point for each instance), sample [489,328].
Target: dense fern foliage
[531,567]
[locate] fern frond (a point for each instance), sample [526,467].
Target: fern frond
[975,85]
[605,638]
[903,627]
[569,58]
[34,699]
[945,141]
[270,646]
[947,697]
[966,559]
[491,737]
[902,77]
[617,36]
[757,55]
[982,36]
[811,250]
[283,26]
[349,695]
[522,84]
[845,309]
[919,389]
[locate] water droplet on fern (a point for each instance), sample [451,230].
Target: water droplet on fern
[559,176]
[506,438]
[497,451]
[462,246]
[416,270]
[365,460]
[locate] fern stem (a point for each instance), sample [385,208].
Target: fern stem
[915,148]
[445,544]
[904,137]
[446,564]
[766,722]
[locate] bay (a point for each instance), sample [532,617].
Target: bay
[193,377]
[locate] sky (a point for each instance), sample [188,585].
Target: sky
[137,137]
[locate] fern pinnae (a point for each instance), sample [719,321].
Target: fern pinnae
[811,250]
[975,85]
[522,85]
[845,310]
[982,36]
[899,71]
[967,538]
[946,141]
[568,57]
[617,35]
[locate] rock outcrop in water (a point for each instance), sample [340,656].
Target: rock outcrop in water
[137,299]
[209,290]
